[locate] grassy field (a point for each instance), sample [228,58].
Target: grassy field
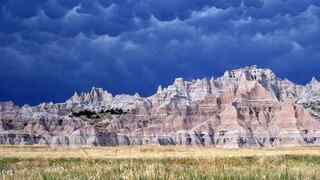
[155,162]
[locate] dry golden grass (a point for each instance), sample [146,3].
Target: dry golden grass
[158,162]
[145,152]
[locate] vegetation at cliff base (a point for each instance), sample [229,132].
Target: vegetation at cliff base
[278,164]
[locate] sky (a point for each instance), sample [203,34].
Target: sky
[51,48]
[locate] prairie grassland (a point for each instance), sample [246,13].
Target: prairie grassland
[158,162]
[146,152]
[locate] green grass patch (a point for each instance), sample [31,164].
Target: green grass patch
[255,167]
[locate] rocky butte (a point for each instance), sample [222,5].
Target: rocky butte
[247,107]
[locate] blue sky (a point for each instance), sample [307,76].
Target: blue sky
[51,48]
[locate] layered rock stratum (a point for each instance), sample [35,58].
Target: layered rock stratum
[247,107]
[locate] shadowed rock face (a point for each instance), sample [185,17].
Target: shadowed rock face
[248,107]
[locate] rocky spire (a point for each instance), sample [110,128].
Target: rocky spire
[250,73]
[159,91]
[179,83]
[313,86]
[96,95]
[314,81]
[75,98]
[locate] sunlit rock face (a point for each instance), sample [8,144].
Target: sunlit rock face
[247,107]
[310,98]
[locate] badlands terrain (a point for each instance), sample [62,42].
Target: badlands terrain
[247,107]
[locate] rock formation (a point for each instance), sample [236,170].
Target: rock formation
[247,107]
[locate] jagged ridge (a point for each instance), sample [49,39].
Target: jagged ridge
[245,107]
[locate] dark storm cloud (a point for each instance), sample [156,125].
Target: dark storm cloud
[50,48]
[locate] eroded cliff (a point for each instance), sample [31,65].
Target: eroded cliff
[247,107]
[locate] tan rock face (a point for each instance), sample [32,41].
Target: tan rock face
[247,107]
